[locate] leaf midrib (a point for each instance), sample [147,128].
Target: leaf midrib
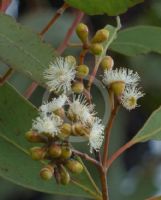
[21,48]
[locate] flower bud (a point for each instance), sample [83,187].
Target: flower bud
[37,153]
[96,48]
[107,63]
[100,36]
[82,71]
[60,112]
[71,116]
[117,87]
[71,59]
[46,173]
[82,32]
[78,129]
[32,136]
[65,130]
[66,153]
[64,176]
[54,151]
[77,87]
[74,166]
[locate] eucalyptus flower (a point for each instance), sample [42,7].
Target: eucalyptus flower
[47,124]
[120,75]
[96,136]
[130,97]
[60,74]
[53,105]
[79,109]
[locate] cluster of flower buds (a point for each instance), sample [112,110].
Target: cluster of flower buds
[62,161]
[59,119]
[95,45]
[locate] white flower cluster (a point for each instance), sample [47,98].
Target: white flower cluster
[48,122]
[86,114]
[131,93]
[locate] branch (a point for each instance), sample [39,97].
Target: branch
[29,91]
[86,157]
[118,153]
[64,44]
[6,76]
[107,135]
[58,13]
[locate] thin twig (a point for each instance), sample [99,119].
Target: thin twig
[118,153]
[58,13]
[29,91]
[74,44]
[82,55]
[107,134]
[64,44]
[6,76]
[86,157]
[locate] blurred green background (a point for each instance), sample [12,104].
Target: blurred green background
[137,174]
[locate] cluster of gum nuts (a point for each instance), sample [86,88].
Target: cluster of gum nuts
[95,46]
[61,159]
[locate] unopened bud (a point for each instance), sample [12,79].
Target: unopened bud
[100,36]
[37,153]
[107,63]
[64,176]
[118,87]
[71,59]
[66,153]
[54,151]
[82,32]
[60,112]
[78,129]
[96,48]
[74,166]
[77,87]
[32,136]
[82,71]
[46,173]
[65,130]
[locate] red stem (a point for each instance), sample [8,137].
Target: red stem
[63,45]
[107,136]
[59,12]
[118,153]
[86,157]
[104,185]
[6,76]
[4,5]
[29,91]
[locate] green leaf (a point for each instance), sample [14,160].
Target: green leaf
[110,7]
[151,130]
[138,40]
[23,49]
[15,163]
